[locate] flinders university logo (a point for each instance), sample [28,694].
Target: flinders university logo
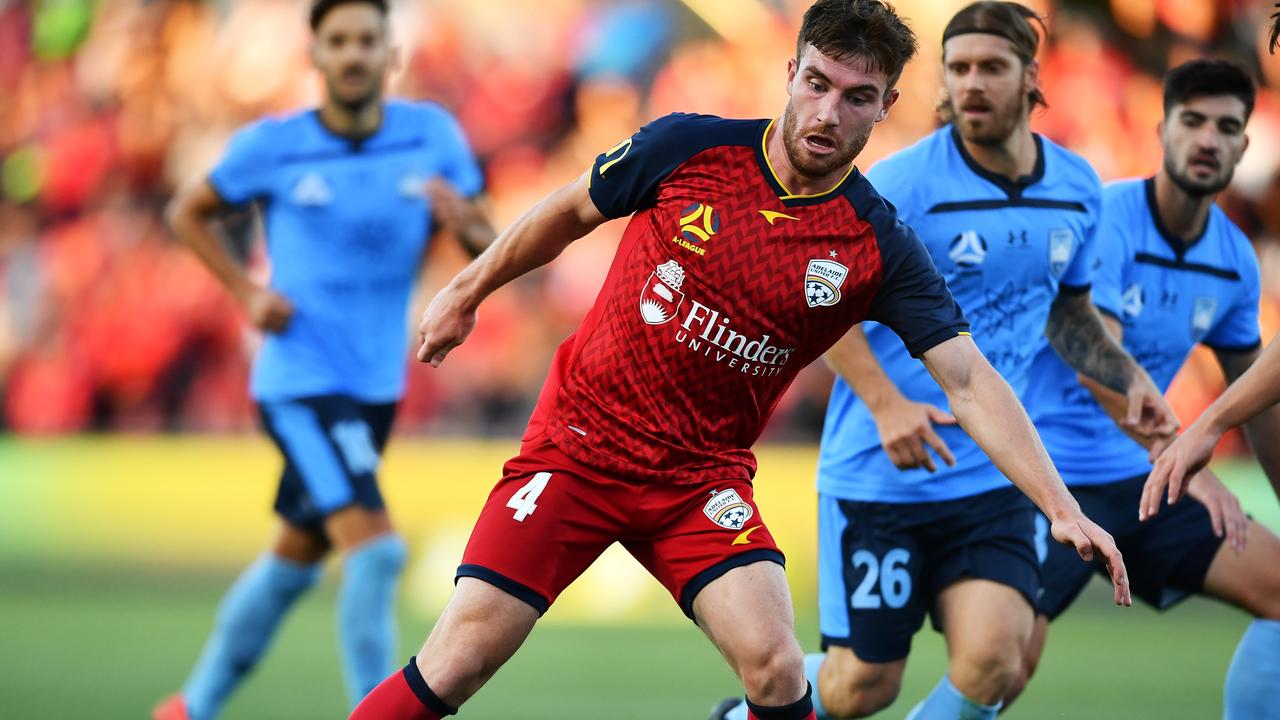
[727,509]
[968,249]
[822,282]
[661,296]
[698,224]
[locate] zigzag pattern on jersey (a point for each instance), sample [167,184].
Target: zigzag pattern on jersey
[659,403]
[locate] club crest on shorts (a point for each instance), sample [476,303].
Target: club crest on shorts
[822,282]
[727,509]
[1061,242]
[661,296]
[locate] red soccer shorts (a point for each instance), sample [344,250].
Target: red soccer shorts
[550,517]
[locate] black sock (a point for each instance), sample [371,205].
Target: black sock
[798,710]
[418,685]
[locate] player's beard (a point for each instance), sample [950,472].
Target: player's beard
[355,103]
[999,124]
[813,166]
[1198,188]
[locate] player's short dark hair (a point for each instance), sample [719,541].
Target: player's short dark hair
[1204,78]
[867,29]
[1275,30]
[321,8]
[1009,20]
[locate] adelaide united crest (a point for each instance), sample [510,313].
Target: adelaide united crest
[661,296]
[822,282]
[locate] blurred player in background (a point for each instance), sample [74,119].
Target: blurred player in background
[349,193]
[1009,217]
[1173,271]
[752,247]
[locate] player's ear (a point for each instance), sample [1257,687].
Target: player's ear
[1031,77]
[889,99]
[793,66]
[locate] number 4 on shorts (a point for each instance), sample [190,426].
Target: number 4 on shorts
[525,501]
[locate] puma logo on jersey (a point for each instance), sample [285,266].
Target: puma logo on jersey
[773,216]
[744,537]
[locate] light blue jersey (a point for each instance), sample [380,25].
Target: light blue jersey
[347,223]
[1169,296]
[1006,249]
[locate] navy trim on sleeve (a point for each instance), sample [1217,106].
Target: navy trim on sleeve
[1065,289]
[625,178]
[413,678]
[1231,349]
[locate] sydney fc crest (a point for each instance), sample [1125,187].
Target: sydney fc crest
[661,296]
[1202,313]
[1061,242]
[727,509]
[822,282]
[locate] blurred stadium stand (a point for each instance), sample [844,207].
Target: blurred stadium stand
[105,324]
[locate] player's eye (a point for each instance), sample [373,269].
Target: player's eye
[816,87]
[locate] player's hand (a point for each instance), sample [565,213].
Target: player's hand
[445,325]
[1089,540]
[1225,513]
[268,310]
[1149,413]
[906,427]
[1185,457]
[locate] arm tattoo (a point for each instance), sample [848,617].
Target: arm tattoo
[1076,332]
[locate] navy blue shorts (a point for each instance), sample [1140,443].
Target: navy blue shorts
[332,446]
[1167,556]
[881,565]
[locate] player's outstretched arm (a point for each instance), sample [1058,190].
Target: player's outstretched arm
[465,219]
[905,427]
[988,410]
[188,215]
[1076,332]
[533,240]
[1256,390]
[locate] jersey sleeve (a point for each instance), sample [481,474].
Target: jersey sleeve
[1080,272]
[244,172]
[1111,260]
[625,178]
[458,164]
[913,299]
[1238,330]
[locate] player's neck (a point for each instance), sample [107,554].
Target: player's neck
[793,180]
[1013,158]
[351,122]
[1181,213]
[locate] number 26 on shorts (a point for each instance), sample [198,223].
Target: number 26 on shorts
[525,500]
[890,573]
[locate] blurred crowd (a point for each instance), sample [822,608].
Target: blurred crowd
[105,105]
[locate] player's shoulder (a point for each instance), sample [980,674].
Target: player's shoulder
[1236,247]
[1064,167]
[873,208]
[418,113]
[268,128]
[691,133]
[904,166]
[1127,196]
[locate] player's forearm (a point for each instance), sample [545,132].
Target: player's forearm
[1255,390]
[536,238]
[1263,432]
[853,360]
[990,413]
[188,219]
[1076,332]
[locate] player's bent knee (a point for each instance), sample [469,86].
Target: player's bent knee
[857,692]
[987,675]
[774,675]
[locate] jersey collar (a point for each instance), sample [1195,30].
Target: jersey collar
[1176,244]
[1011,188]
[788,198]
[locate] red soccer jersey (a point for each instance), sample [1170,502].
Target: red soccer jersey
[724,286]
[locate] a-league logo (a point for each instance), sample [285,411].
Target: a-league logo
[661,296]
[727,509]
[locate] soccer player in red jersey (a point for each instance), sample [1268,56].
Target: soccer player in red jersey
[753,246]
